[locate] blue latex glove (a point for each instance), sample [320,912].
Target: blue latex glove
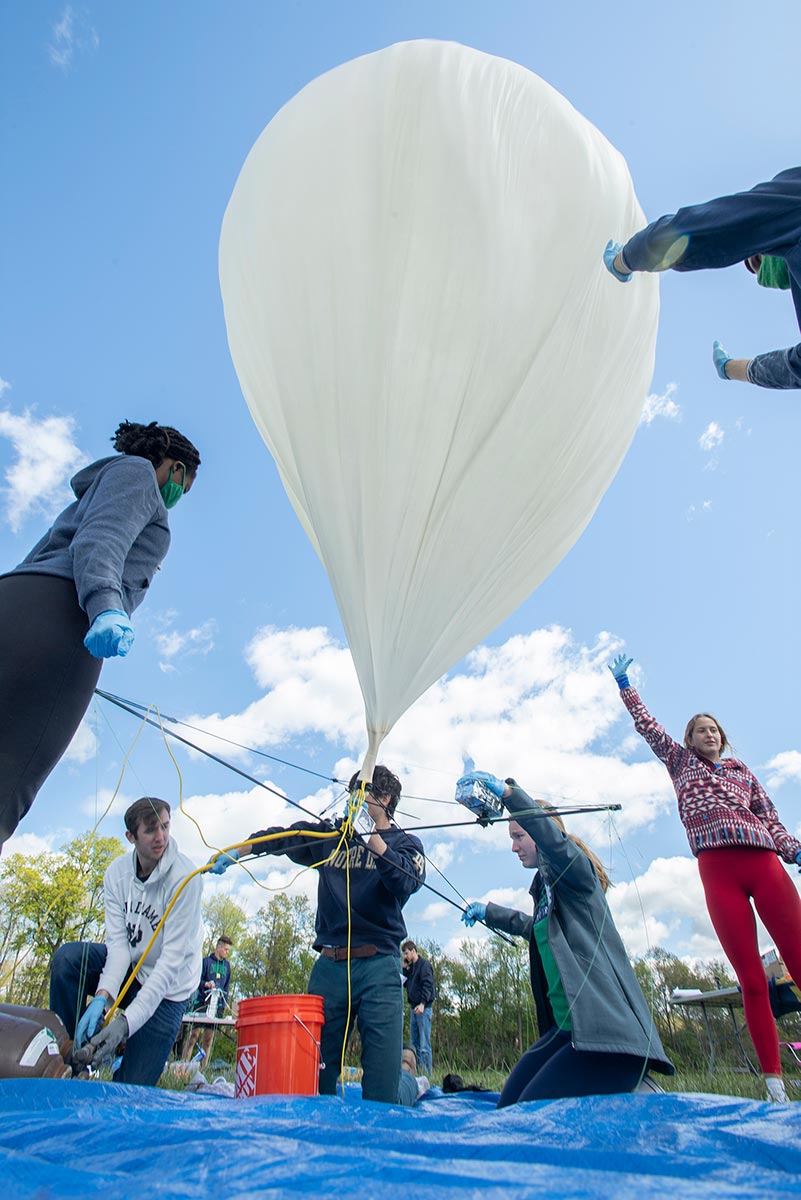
[474,912]
[720,358]
[110,634]
[798,859]
[619,666]
[103,1046]
[90,1021]
[495,785]
[221,862]
[610,254]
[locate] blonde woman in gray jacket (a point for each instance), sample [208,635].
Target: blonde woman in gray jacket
[596,1031]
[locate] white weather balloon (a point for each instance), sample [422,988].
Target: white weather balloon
[423,329]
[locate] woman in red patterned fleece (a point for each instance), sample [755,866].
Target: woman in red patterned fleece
[735,832]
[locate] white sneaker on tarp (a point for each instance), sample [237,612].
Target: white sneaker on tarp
[777,1093]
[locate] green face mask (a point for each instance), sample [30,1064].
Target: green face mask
[773,273]
[171,492]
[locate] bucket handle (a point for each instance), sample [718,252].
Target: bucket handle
[313,1038]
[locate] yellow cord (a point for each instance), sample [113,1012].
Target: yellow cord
[268,837]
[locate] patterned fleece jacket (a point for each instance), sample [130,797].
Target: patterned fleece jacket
[720,804]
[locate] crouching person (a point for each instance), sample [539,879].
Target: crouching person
[138,889]
[597,1034]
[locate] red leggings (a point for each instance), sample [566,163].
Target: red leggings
[733,877]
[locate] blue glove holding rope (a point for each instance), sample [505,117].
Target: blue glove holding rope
[720,358]
[619,666]
[110,635]
[610,254]
[90,1021]
[222,861]
[495,785]
[474,912]
[798,859]
[104,1045]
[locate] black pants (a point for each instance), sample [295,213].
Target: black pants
[551,1069]
[47,678]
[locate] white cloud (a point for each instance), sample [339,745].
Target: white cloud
[666,906]
[712,436]
[30,844]
[83,745]
[181,644]
[784,768]
[534,707]
[698,510]
[73,33]
[540,707]
[38,485]
[661,405]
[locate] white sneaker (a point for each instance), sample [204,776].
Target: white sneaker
[776,1089]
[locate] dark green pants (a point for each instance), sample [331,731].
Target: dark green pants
[377,1006]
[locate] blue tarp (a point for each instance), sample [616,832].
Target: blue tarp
[64,1139]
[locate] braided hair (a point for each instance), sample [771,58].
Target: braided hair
[156,442]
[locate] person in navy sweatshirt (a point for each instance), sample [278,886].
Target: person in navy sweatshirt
[761,228]
[68,604]
[363,884]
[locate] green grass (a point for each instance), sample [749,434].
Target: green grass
[725,1082]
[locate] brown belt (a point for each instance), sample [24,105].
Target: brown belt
[340,953]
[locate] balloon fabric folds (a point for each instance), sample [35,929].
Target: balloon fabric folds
[427,339]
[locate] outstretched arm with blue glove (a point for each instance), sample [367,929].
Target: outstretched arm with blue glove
[760,228]
[619,668]
[221,860]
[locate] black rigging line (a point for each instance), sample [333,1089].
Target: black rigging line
[214,757]
[252,779]
[133,704]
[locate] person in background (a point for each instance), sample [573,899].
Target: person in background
[68,604]
[418,979]
[139,887]
[736,835]
[596,1032]
[412,1085]
[215,979]
[761,228]
[363,884]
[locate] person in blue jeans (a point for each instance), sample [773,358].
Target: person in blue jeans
[596,1032]
[362,885]
[138,888]
[761,228]
[418,978]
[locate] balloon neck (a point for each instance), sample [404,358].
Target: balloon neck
[371,757]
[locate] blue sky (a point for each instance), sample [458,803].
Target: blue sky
[125,138]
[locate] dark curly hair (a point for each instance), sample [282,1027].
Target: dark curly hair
[383,783]
[155,443]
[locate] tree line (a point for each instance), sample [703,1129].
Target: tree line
[484,1013]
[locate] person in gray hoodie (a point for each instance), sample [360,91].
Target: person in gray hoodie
[68,604]
[139,888]
[596,1032]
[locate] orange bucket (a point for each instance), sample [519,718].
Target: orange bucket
[278,1046]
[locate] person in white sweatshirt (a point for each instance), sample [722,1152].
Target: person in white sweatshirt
[138,889]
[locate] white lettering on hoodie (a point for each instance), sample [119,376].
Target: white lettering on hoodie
[134,908]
